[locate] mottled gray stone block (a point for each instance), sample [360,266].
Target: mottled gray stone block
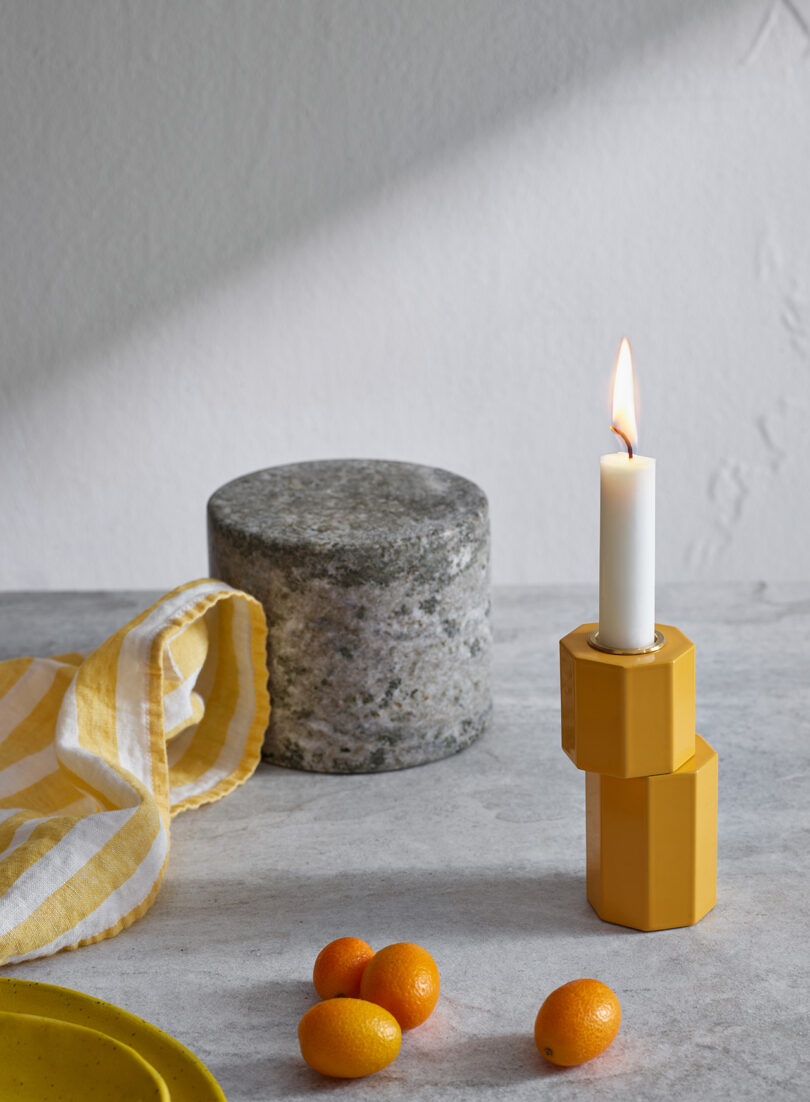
[375,579]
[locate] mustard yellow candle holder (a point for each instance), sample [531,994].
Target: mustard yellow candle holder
[628,721]
[652,844]
[628,714]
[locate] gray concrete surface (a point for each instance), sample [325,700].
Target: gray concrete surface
[480,858]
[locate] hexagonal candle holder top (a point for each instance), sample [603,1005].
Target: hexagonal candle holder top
[628,715]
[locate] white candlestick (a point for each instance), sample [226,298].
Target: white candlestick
[627,527]
[627,551]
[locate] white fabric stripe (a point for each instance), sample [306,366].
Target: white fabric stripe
[23,833]
[92,768]
[206,678]
[47,875]
[24,695]
[116,906]
[233,748]
[179,744]
[170,667]
[177,705]
[85,805]
[28,770]
[132,688]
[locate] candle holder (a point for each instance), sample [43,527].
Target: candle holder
[628,721]
[628,713]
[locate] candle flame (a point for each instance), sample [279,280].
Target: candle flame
[624,396]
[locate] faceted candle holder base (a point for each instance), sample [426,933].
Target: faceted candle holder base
[652,844]
[628,715]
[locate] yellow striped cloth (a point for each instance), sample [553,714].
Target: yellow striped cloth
[98,752]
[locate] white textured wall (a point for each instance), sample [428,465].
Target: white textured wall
[236,234]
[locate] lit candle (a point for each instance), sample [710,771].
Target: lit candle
[627,527]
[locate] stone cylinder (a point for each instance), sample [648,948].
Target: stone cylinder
[374,576]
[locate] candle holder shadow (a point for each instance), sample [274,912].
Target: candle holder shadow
[628,721]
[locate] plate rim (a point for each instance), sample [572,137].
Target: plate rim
[76,1029]
[133,1030]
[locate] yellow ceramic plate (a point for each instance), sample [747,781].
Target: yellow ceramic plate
[186,1077]
[44,1060]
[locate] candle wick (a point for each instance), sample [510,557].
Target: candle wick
[626,440]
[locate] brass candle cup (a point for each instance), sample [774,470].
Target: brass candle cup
[628,715]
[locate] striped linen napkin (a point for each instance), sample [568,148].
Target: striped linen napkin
[98,752]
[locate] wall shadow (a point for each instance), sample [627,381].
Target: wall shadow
[154,151]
